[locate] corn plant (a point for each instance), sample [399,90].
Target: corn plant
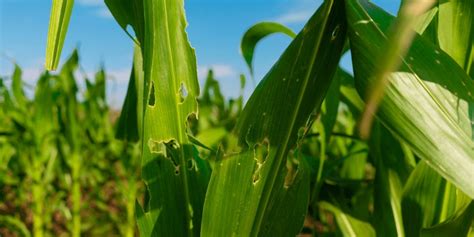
[59,159]
[293,154]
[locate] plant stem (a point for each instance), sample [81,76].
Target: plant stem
[38,206]
[130,229]
[76,196]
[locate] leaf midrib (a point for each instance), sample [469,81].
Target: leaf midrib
[178,113]
[280,155]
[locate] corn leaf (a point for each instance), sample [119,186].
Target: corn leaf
[330,106]
[58,24]
[128,13]
[456,30]
[176,178]
[129,125]
[456,36]
[392,172]
[17,88]
[15,225]
[349,225]
[256,33]
[456,226]
[425,106]
[428,199]
[261,190]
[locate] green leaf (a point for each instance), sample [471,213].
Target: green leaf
[456,226]
[349,225]
[330,106]
[256,33]
[399,38]
[456,30]
[424,105]
[391,173]
[176,178]
[14,224]
[428,199]
[456,36]
[263,190]
[129,125]
[348,92]
[17,88]
[58,24]
[128,13]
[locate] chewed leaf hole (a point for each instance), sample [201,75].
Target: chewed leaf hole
[260,151]
[151,96]
[292,169]
[190,164]
[155,147]
[183,93]
[335,32]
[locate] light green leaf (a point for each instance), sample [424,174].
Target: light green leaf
[263,190]
[424,105]
[256,33]
[349,226]
[17,88]
[58,24]
[399,38]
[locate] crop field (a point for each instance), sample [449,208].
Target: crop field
[385,149]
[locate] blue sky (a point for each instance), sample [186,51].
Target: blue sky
[215,29]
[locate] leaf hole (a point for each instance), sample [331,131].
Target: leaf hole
[155,147]
[292,170]
[335,32]
[190,164]
[151,96]
[183,93]
[261,152]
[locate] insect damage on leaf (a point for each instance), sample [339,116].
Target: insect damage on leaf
[260,153]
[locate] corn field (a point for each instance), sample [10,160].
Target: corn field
[385,150]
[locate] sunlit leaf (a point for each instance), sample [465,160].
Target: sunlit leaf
[176,178]
[424,105]
[257,33]
[58,25]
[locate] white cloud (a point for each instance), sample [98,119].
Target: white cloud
[120,76]
[31,75]
[220,70]
[295,17]
[301,11]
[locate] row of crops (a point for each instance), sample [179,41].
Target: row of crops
[315,150]
[62,171]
